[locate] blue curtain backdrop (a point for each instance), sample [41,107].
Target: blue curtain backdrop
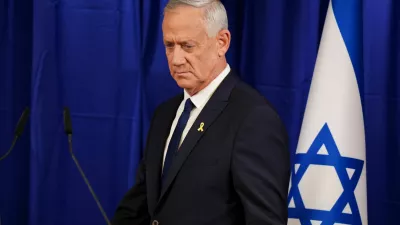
[105,60]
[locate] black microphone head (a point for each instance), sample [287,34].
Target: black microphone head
[21,122]
[67,121]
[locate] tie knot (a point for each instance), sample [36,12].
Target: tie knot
[188,105]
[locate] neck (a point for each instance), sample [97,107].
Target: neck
[214,74]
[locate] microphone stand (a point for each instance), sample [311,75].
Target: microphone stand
[68,131]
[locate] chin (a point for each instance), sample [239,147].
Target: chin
[185,80]
[185,84]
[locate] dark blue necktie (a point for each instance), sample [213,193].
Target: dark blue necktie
[176,137]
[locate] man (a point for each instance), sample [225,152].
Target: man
[218,153]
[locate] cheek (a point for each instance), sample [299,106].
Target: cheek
[198,67]
[169,57]
[205,64]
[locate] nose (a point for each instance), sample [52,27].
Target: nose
[178,57]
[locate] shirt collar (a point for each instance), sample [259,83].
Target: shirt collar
[201,98]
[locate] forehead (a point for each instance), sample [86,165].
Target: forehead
[183,22]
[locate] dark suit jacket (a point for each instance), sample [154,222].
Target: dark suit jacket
[234,172]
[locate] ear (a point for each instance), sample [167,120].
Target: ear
[223,42]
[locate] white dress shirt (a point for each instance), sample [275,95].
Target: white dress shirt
[199,100]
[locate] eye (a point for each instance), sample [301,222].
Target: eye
[188,46]
[169,44]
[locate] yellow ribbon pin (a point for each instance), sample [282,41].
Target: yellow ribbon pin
[201,127]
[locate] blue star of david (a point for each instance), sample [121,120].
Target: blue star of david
[335,215]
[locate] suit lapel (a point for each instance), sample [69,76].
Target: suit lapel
[210,112]
[155,157]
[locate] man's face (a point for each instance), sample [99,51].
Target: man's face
[192,55]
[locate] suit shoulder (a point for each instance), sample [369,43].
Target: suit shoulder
[171,102]
[250,105]
[246,98]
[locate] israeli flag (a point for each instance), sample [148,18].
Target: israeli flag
[328,181]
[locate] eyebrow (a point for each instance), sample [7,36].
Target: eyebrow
[181,42]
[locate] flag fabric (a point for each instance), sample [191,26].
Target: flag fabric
[328,181]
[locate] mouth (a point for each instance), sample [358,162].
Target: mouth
[182,73]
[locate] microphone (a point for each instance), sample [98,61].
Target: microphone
[18,131]
[68,131]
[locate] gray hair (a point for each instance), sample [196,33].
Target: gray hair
[215,16]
